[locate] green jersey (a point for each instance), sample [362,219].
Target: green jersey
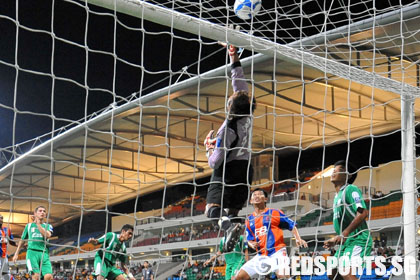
[236,256]
[114,248]
[36,241]
[346,203]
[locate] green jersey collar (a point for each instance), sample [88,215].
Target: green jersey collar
[343,186]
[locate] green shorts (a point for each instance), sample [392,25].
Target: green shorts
[352,251]
[104,268]
[232,269]
[38,262]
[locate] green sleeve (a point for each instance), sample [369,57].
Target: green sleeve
[25,232]
[105,238]
[354,198]
[49,228]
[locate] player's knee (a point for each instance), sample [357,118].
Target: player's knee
[48,277]
[241,275]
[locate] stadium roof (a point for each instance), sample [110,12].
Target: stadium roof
[156,140]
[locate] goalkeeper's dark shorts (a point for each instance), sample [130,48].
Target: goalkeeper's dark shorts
[235,189]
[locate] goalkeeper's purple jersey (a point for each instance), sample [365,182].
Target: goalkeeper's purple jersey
[226,135]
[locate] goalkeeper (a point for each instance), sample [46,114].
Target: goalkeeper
[114,248]
[229,156]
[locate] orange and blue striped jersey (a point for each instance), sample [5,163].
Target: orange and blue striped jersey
[267,230]
[6,235]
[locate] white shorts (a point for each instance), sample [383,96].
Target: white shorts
[4,265]
[263,265]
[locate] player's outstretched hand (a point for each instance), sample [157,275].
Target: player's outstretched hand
[15,257]
[210,142]
[301,243]
[332,242]
[93,241]
[253,244]
[232,51]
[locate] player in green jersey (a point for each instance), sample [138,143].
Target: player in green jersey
[350,212]
[37,257]
[234,260]
[114,248]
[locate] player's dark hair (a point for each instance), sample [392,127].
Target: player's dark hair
[241,103]
[351,169]
[259,189]
[127,227]
[40,206]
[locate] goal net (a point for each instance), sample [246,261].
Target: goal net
[105,105]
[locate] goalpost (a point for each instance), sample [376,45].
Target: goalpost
[320,89]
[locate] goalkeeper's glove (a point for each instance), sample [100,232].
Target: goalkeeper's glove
[210,142]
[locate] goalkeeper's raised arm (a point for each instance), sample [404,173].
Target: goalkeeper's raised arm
[229,156]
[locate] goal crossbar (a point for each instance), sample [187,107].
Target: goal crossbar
[200,27]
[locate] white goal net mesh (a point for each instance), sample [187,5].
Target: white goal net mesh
[105,104]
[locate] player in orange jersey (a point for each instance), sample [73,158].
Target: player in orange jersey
[6,239]
[264,229]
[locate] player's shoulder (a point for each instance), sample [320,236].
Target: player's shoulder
[112,234]
[251,216]
[351,188]
[275,211]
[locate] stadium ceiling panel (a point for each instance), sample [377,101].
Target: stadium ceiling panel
[156,141]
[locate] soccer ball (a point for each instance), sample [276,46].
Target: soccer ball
[246,9]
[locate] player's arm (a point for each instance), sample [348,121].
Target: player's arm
[238,77]
[299,241]
[250,237]
[360,217]
[212,259]
[11,239]
[218,253]
[46,233]
[100,240]
[19,246]
[246,254]
[21,242]
[225,136]
[127,271]
[354,198]
[286,222]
